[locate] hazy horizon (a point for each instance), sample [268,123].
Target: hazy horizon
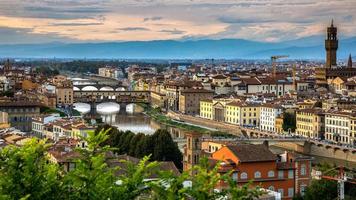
[81,21]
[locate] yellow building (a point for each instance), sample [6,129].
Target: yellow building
[158,100]
[4,120]
[64,95]
[81,130]
[206,109]
[243,114]
[279,125]
[310,123]
[234,112]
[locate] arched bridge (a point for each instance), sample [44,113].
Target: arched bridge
[112,96]
[98,87]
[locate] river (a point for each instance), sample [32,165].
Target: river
[133,119]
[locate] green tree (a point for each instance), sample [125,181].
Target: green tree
[25,172]
[289,121]
[92,178]
[201,182]
[165,149]
[321,189]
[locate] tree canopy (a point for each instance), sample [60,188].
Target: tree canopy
[27,172]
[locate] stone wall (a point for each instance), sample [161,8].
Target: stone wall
[224,127]
[322,151]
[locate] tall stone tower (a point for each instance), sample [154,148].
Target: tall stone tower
[331,45]
[192,150]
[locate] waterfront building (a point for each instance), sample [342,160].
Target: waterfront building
[268,115]
[339,127]
[310,123]
[243,114]
[278,128]
[189,100]
[206,109]
[158,100]
[173,89]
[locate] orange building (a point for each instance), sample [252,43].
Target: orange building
[287,174]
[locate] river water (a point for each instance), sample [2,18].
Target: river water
[133,119]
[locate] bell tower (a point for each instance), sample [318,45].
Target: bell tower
[192,150]
[331,45]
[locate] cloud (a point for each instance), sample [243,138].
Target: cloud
[152,19]
[77,24]
[26,36]
[133,29]
[263,20]
[173,31]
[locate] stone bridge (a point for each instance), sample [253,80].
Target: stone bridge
[98,87]
[112,96]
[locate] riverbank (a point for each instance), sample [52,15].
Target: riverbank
[158,116]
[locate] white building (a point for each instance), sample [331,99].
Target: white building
[268,115]
[279,87]
[340,127]
[39,123]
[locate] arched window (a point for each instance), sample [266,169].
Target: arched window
[257,174]
[243,175]
[303,170]
[271,173]
[271,188]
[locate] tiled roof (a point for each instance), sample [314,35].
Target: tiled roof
[252,153]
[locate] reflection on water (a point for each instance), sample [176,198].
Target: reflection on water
[137,122]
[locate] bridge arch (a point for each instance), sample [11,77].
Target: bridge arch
[106,88]
[89,88]
[120,89]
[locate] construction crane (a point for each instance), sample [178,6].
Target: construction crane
[341,178]
[273,60]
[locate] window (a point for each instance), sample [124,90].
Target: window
[302,189]
[243,175]
[271,173]
[290,174]
[290,192]
[280,174]
[257,174]
[281,192]
[303,170]
[271,188]
[235,176]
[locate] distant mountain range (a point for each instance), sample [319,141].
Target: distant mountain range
[303,48]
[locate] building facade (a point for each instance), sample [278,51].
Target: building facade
[310,123]
[268,116]
[189,100]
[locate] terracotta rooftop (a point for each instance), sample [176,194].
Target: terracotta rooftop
[252,153]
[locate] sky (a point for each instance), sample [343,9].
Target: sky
[35,21]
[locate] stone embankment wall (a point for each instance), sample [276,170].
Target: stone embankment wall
[322,151]
[221,126]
